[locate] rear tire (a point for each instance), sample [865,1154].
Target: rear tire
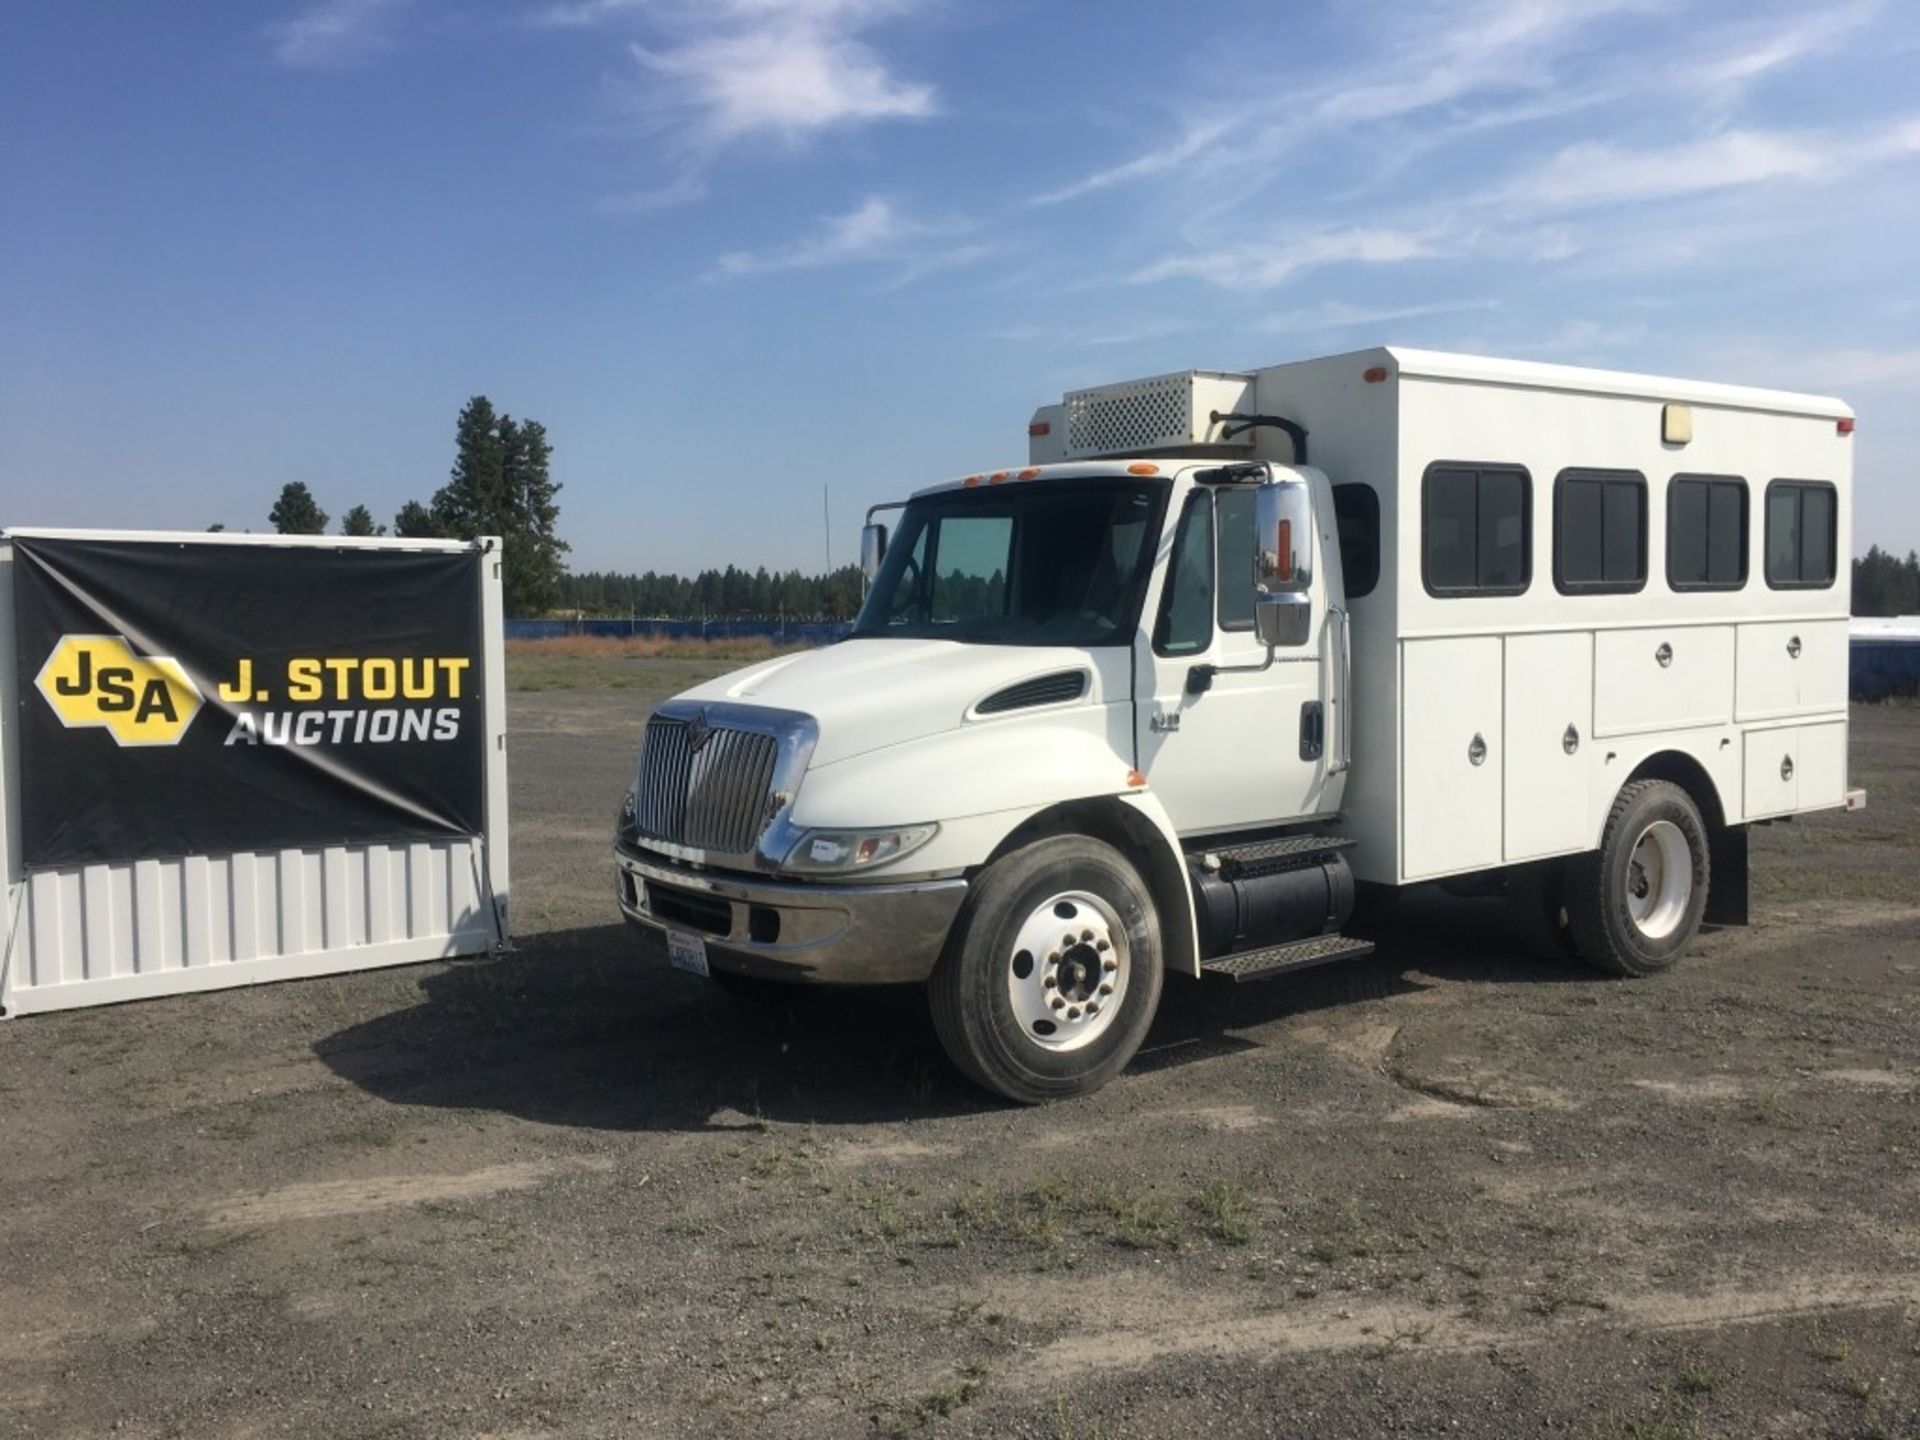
[1634,905]
[1052,977]
[1537,910]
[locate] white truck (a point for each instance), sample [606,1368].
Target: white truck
[1229,642]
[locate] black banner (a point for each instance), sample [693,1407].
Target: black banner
[194,698]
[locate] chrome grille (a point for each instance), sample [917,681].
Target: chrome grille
[714,795]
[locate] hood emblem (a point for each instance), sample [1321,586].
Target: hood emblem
[699,732]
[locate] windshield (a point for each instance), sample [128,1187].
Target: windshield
[1058,563]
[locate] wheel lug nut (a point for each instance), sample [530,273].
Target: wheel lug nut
[1050,981]
[1102,946]
[1106,989]
[1074,1013]
[1110,965]
[1086,935]
[1058,1003]
[1093,1010]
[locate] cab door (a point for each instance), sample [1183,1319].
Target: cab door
[1244,747]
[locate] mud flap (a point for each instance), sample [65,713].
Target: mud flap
[1727,886]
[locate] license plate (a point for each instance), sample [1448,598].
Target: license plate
[687,952]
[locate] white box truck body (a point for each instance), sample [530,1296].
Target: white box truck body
[1151,703]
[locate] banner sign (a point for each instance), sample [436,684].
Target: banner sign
[192,698]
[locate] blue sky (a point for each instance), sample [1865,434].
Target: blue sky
[731,251]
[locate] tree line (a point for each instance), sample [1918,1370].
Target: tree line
[500,485]
[729,594]
[1884,585]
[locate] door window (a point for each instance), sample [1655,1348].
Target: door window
[1233,574]
[1186,612]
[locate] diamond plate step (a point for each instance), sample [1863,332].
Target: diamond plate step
[1237,859]
[1282,959]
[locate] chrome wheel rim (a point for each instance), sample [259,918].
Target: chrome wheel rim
[1659,880]
[1067,971]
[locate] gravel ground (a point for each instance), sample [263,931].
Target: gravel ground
[1444,1191]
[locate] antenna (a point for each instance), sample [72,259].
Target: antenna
[826,518]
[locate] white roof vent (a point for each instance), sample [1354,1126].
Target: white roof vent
[1165,412]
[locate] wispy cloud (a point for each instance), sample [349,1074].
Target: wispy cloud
[710,75]
[874,231]
[332,33]
[1262,265]
[1337,315]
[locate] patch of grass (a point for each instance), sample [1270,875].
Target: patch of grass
[1771,1109]
[1830,1349]
[1697,1380]
[1566,1294]
[1230,1210]
[938,1404]
[1656,1427]
[1350,1236]
[688,1220]
[1045,1213]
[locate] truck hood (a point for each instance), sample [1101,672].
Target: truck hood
[868,694]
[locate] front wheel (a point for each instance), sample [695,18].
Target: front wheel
[1634,905]
[1050,982]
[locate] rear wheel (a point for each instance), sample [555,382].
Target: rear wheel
[1053,975]
[1634,905]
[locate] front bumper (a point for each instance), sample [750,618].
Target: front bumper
[877,934]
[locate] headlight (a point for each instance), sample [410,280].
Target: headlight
[831,852]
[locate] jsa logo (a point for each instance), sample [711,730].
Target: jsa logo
[98,680]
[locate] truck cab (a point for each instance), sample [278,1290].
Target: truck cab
[1146,705]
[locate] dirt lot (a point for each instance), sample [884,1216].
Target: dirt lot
[1446,1191]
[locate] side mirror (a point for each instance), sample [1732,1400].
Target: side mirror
[1283,563]
[873,548]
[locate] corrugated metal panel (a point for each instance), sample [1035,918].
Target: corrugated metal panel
[103,933]
[144,922]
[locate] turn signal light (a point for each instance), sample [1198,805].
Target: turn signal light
[1283,552]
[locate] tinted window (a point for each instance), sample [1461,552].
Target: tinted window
[1800,534]
[1233,576]
[1356,513]
[1474,522]
[1706,532]
[970,567]
[1599,531]
[1186,611]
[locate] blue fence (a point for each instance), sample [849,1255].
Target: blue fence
[780,632]
[1881,668]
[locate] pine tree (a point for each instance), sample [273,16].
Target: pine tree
[359,521]
[296,512]
[416,522]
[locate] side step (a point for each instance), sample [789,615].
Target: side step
[1233,861]
[1284,959]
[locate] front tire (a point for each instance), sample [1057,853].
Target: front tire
[1635,905]
[1053,974]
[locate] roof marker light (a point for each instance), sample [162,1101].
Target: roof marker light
[998,477]
[1039,428]
[1374,374]
[1032,472]
[1844,425]
[972,480]
[1143,467]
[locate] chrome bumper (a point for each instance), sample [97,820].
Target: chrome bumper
[876,934]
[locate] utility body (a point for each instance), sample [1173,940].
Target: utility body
[1152,703]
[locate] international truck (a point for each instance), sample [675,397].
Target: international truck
[1234,646]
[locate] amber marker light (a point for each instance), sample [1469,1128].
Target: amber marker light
[1135,779]
[971,481]
[1374,374]
[1143,467]
[1032,472]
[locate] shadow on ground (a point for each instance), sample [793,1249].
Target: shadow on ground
[590,1028]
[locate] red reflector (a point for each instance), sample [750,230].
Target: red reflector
[1039,427]
[1283,552]
[1374,374]
[1844,425]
